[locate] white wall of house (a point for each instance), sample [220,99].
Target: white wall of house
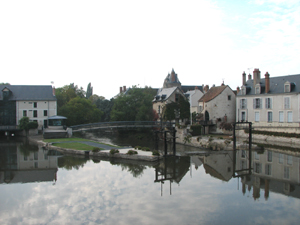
[223,104]
[195,96]
[282,109]
[36,110]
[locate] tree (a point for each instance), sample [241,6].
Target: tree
[25,124]
[89,91]
[183,106]
[80,111]
[135,105]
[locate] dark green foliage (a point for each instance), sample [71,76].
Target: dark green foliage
[138,147]
[96,149]
[80,111]
[272,133]
[146,149]
[132,152]
[105,106]
[135,105]
[25,124]
[89,91]
[226,126]
[183,105]
[113,151]
[196,130]
[156,153]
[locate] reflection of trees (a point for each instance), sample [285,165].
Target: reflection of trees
[70,162]
[136,170]
[26,148]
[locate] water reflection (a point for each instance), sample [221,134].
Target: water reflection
[24,163]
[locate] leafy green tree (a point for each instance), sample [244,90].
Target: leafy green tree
[183,106]
[66,93]
[25,124]
[89,91]
[135,105]
[80,111]
[105,106]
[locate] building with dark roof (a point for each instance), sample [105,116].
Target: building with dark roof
[37,102]
[269,101]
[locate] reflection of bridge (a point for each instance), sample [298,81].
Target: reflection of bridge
[121,124]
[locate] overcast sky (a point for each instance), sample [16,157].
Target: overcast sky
[123,43]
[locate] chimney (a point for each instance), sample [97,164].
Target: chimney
[249,76]
[244,78]
[256,77]
[267,82]
[206,88]
[124,88]
[53,91]
[120,89]
[237,90]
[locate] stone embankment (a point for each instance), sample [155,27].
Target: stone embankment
[141,156]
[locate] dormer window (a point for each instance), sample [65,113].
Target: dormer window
[257,89]
[6,93]
[243,90]
[287,87]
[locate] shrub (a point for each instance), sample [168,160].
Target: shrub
[146,149]
[210,139]
[95,149]
[221,138]
[156,153]
[113,151]
[226,126]
[131,152]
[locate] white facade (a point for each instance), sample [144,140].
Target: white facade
[38,111]
[193,97]
[222,105]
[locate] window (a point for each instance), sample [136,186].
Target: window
[243,90]
[287,103]
[243,154]
[257,103]
[286,172]
[270,116]
[269,156]
[256,156]
[281,116]
[268,103]
[290,117]
[268,169]
[256,116]
[36,165]
[290,160]
[34,113]
[35,105]
[243,103]
[280,158]
[36,155]
[229,97]
[176,97]
[24,112]
[287,88]
[243,116]
[257,90]
[257,167]
[45,113]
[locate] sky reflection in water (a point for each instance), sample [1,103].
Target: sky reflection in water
[102,193]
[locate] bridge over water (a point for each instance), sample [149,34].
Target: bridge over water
[121,124]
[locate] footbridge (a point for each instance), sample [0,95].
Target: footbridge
[121,124]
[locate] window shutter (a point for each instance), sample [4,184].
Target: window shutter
[241,103]
[254,103]
[270,103]
[260,103]
[266,103]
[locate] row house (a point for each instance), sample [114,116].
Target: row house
[270,101]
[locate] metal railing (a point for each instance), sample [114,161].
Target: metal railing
[121,124]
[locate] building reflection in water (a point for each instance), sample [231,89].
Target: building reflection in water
[23,163]
[272,171]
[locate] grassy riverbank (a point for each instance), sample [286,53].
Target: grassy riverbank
[77,143]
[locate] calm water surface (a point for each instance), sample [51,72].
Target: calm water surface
[38,186]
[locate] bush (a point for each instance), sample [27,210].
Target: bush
[226,126]
[146,149]
[131,152]
[113,151]
[156,153]
[95,149]
[138,147]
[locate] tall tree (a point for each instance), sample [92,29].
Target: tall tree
[66,93]
[89,91]
[135,105]
[80,111]
[182,107]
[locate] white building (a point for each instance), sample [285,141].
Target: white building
[269,102]
[34,101]
[193,98]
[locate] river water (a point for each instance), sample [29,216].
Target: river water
[38,186]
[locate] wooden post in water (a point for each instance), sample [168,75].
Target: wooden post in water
[174,141]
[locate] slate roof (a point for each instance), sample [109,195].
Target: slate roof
[212,93]
[164,93]
[29,92]
[276,85]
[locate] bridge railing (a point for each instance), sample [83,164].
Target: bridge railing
[118,124]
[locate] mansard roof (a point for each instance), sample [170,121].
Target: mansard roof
[28,92]
[164,93]
[212,93]
[276,85]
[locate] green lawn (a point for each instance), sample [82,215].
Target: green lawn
[76,146]
[65,139]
